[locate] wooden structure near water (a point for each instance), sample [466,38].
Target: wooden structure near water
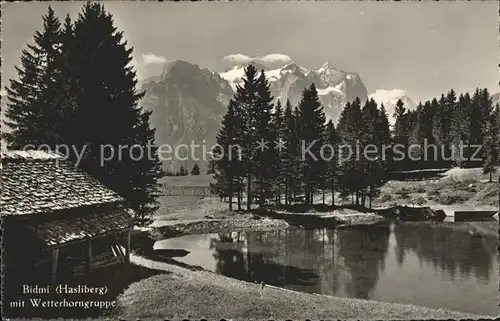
[58,219]
[462,216]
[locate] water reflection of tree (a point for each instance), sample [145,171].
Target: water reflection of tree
[364,253]
[448,247]
[291,258]
[305,260]
[228,255]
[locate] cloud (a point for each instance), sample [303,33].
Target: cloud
[385,96]
[274,58]
[151,58]
[238,59]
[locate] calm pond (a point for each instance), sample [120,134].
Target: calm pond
[437,265]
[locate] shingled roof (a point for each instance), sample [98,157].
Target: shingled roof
[39,182]
[95,223]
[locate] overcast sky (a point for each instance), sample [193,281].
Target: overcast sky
[424,48]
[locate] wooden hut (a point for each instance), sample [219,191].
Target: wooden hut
[59,219]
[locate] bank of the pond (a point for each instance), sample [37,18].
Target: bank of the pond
[170,229]
[271,220]
[187,294]
[144,238]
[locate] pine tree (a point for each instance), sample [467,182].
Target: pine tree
[383,136]
[30,112]
[460,130]
[107,116]
[311,121]
[349,130]
[426,122]
[446,123]
[401,135]
[413,130]
[401,124]
[195,170]
[279,126]
[371,164]
[480,109]
[227,155]
[439,114]
[147,170]
[491,143]
[291,154]
[450,106]
[383,127]
[332,140]
[246,100]
[62,91]
[265,156]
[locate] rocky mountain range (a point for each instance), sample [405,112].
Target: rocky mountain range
[188,102]
[335,87]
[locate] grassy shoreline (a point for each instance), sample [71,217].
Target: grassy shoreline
[184,293]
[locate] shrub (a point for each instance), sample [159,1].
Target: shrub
[404,193]
[433,192]
[453,197]
[420,189]
[386,198]
[420,201]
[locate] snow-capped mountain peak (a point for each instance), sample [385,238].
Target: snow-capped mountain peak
[189,101]
[390,97]
[325,67]
[293,68]
[335,87]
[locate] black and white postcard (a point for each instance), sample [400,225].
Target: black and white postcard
[250,160]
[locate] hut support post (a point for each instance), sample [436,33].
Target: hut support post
[55,259]
[89,256]
[127,249]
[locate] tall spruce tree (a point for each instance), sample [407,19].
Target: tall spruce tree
[246,100]
[383,129]
[147,169]
[332,164]
[370,163]
[460,130]
[491,143]
[311,121]
[279,126]
[350,131]
[31,114]
[401,123]
[477,121]
[227,155]
[62,91]
[383,134]
[291,154]
[108,120]
[265,158]
[401,135]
